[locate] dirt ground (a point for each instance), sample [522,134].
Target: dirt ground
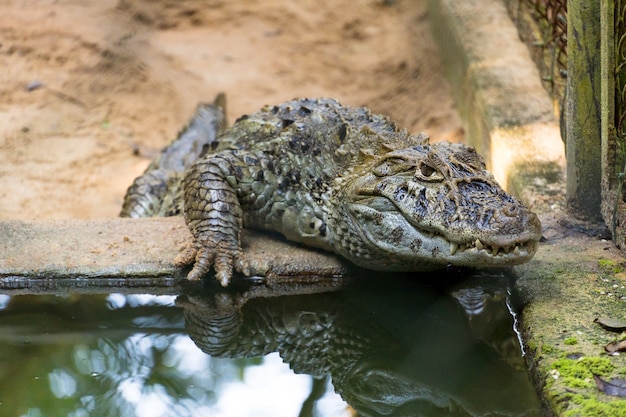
[91,90]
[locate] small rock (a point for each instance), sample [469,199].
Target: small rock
[34,85]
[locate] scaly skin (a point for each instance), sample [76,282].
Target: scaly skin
[157,192]
[348,181]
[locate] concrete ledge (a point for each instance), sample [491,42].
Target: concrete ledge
[38,255]
[507,114]
[573,280]
[91,248]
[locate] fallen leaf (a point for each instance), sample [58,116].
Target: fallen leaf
[615,387]
[574,356]
[616,346]
[613,325]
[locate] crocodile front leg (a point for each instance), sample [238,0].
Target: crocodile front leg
[214,215]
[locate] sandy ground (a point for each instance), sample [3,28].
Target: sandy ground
[91,90]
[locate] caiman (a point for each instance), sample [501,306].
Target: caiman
[337,178]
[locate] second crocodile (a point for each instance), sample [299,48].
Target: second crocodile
[347,181]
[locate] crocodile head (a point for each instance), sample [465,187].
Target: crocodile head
[433,204]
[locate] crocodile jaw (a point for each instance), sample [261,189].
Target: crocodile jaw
[404,247]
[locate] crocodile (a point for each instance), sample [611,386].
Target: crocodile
[349,181]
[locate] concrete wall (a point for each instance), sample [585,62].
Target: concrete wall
[507,114]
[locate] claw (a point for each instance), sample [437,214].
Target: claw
[223,277]
[196,274]
[204,260]
[223,268]
[242,265]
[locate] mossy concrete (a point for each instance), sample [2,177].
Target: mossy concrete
[582,109]
[573,280]
[506,112]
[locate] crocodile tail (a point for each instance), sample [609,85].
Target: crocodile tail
[161,180]
[145,195]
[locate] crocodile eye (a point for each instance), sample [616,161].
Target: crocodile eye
[426,170]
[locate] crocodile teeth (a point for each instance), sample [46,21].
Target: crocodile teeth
[515,249]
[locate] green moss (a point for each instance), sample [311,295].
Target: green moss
[592,407]
[574,382]
[609,266]
[579,373]
[570,341]
[547,349]
[599,366]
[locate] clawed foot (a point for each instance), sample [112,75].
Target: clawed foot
[222,259]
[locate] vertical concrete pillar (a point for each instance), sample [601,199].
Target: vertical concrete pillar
[583,110]
[607,103]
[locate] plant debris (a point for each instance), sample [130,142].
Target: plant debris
[615,347]
[615,387]
[610,324]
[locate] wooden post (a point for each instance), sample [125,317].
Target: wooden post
[583,109]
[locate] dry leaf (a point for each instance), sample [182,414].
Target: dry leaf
[613,325]
[615,387]
[616,346]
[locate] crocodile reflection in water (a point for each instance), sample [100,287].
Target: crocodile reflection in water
[407,351]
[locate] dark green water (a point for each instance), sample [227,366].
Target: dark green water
[388,346]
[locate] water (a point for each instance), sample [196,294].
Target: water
[387,346]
